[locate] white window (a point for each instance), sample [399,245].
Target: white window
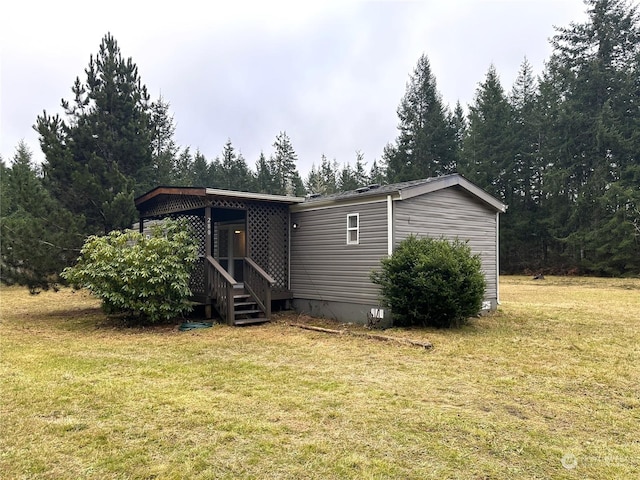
[353,229]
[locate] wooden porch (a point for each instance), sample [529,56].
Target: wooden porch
[244,247]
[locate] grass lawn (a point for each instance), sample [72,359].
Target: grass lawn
[552,378]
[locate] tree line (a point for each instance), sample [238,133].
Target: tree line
[561,150]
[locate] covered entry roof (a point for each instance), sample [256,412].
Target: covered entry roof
[186,198]
[203,192]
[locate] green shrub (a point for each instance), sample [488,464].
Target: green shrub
[431,282]
[144,277]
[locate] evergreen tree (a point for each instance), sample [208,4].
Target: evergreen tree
[214,173]
[283,165]
[200,171]
[458,121]
[487,150]
[523,235]
[183,168]
[388,152]
[425,146]
[4,184]
[347,179]
[234,174]
[351,178]
[328,174]
[164,150]
[526,180]
[360,174]
[296,186]
[322,180]
[377,174]
[313,183]
[39,237]
[265,178]
[594,142]
[99,158]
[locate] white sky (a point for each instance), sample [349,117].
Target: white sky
[331,74]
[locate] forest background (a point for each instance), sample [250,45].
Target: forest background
[561,150]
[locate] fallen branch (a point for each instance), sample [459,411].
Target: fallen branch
[317,329]
[374,336]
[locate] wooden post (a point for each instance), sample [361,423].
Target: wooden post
[230,259]
[208,229]
[207,253]
[231,315]
[267,302]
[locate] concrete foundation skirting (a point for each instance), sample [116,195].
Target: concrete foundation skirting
[373,315]
[344,312]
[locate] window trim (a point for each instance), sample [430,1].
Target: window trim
[353,229]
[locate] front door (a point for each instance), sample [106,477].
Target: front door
[232,248]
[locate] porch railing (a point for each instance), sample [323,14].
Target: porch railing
[222,287]
[258,283]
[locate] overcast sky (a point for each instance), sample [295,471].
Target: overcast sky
[330,74]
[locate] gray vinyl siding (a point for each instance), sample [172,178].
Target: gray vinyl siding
[451,213]
[324,267]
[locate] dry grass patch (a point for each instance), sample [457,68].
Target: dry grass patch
[553,373]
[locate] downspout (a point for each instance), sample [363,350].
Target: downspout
[289,253]
[497,258]
[389,225]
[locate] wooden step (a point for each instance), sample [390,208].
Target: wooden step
[248,312]
[244,304]
[250,321]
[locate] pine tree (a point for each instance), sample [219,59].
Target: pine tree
[594,142]
[234,174]
[39,237]
[164,150]
[347,179]
[265,178]
[458,121]
[296,185]
[183,168]
[425,146]
[389,152]
[487,151]
[526,181]
[101,156]
[199,172]
[313,183]
[323,180]
[377,174]
[523,235]
[362,179]
[4,185]
[283,165]
[328,173]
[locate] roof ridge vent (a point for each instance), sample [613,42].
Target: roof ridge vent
[362,189]
[373,186]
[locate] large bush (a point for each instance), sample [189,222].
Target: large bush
[431,282]
[143,277]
